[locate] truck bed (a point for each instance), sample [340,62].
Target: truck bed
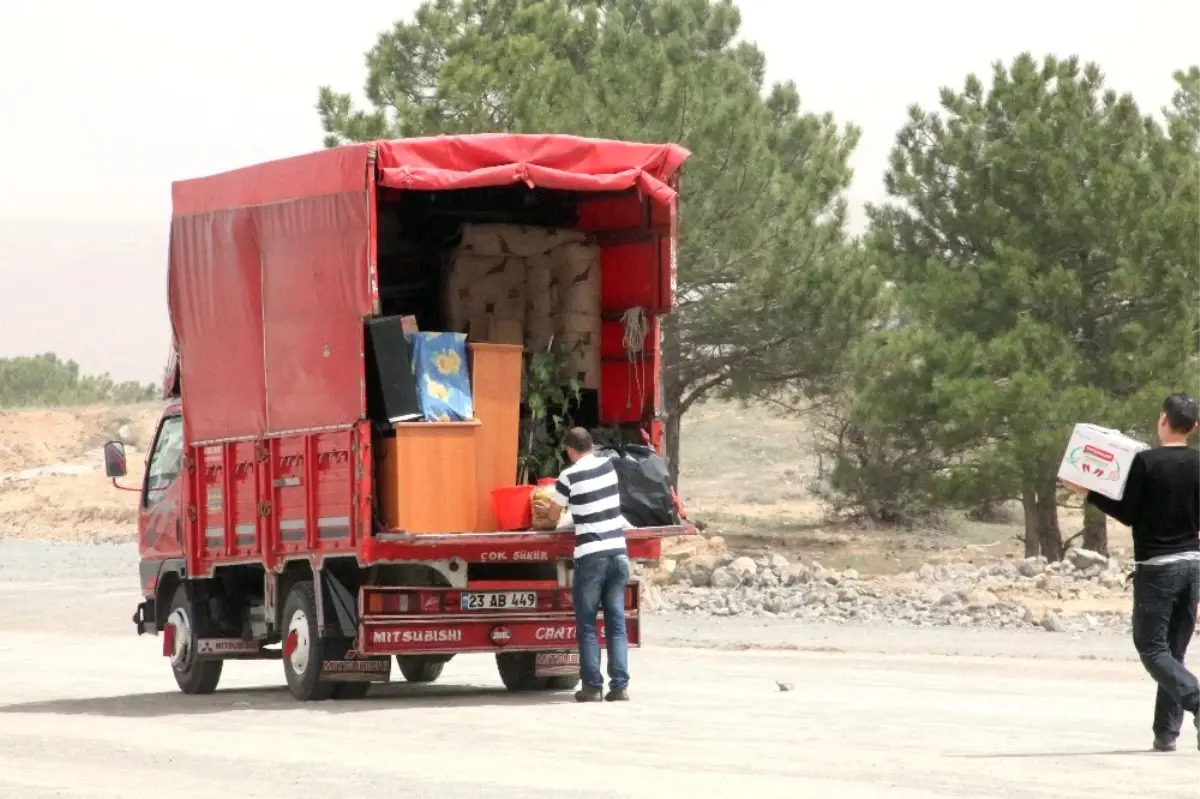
[310,495]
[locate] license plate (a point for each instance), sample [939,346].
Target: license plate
[500,600]
[554,664]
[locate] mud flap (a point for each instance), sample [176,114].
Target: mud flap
[556,664]
[347,665]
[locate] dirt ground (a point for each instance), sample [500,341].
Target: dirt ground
[87,708]
[747,473]
[52,483]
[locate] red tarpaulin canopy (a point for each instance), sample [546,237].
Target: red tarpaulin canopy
[269,278]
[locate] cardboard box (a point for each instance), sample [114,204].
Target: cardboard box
[1099,459]
[491,329]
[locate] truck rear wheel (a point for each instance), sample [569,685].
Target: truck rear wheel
[303,652]
[192,675]
[351,690]
[419,668]
[562,682]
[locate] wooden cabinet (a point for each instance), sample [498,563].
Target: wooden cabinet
[496,395]
[428,477]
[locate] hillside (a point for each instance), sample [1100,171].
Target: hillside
[746,475]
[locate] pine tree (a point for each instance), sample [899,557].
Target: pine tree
[1041,235]
[762,253]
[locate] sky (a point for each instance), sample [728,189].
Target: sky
[105,104]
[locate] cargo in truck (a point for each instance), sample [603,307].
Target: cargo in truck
[357,403]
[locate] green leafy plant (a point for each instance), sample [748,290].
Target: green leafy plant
[549,390]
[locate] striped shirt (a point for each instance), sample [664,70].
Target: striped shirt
[588,489]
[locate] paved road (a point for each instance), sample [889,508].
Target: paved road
[88,709]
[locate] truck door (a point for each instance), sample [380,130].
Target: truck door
[161,523]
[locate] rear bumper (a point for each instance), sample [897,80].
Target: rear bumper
[462,634]
[436,621]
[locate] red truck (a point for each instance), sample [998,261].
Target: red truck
[260,527]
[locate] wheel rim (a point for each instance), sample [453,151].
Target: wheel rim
[183,652]
[298,632]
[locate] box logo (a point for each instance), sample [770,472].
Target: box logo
[1097,463]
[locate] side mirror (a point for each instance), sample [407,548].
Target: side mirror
[114,460]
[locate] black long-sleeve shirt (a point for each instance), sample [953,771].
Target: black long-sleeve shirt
[1161,502]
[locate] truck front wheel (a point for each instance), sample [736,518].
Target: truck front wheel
[302,646]
[418,668]
[192,675]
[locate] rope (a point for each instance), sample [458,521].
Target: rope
[634,322]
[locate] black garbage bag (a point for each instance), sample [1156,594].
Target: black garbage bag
[645,486]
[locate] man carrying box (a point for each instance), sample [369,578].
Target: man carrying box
[1161,504]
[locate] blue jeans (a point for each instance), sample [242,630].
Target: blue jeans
[1164,617]
[600,582]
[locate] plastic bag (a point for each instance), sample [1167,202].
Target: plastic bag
[644,484]
[543,493]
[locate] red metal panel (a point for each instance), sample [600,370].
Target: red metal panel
[627,388]
[612,338]
[629,277]
[612,212]
[314,298]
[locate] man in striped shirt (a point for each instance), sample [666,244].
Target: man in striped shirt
[588,488]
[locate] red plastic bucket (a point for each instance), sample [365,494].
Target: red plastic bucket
[512,507]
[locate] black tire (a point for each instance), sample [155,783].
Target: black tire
[192,675]
[517,671]
[421,668]
[351,690]
[303,672]
[563,683]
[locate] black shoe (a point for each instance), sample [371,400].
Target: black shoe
[586,694]
[617,695]
[1164,745]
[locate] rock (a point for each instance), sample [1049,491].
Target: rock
[795,574]
[744,568]
[650,598]
[697,569]
[1029,615]
[1051,583]
[125,435]
[785,686]
[833,578]
[1052,623]
[847,594]
[927,573]
[665,572]
[724,577]
[979,599]
[769,579]
[1084,559]
[850,574]
[778,562]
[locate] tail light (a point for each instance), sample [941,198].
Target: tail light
[392,602]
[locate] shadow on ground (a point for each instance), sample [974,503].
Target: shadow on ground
[382,697]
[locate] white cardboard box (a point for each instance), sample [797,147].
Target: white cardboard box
[1099,459]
